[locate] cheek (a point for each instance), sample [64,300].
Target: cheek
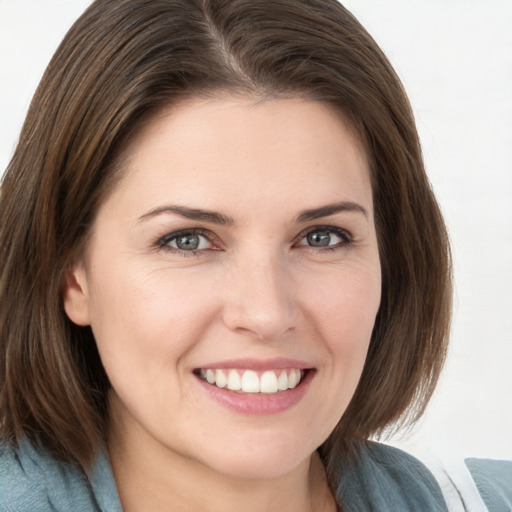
[345,306]
[344,311]
[147,320]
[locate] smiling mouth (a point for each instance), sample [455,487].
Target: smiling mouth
[250,381]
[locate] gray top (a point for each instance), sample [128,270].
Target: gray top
[380,478]
[32,481]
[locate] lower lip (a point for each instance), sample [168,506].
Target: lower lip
[258,404]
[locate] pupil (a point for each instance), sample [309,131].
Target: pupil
[319,239]
[188,242]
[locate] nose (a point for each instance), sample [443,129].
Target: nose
[259,299]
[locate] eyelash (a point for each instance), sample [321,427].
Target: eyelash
[163,243]
[344,235]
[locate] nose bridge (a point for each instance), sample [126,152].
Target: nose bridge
[259,296]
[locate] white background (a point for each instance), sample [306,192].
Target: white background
[455,59]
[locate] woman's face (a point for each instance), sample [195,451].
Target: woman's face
[237,251]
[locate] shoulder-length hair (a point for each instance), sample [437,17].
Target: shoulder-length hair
[122,61]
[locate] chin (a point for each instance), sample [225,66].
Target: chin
[261,457]
[260,468]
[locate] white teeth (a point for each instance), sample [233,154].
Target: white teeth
[248,381]
[293,378]
[220,379]
[234,380]
[282,381]
[268,382]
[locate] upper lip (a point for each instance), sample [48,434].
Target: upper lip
[258,364]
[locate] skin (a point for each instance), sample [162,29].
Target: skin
[254,289]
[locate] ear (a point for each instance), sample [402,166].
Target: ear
[75,296]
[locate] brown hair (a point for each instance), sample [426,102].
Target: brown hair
[122,61]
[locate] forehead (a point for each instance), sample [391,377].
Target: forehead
[240,150]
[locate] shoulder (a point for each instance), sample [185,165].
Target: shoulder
[493,479]
[32,481]
[380,477]
[22,482]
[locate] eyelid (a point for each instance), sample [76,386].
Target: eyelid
[341,232]
[163,241]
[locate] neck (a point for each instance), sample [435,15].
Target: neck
[156,478]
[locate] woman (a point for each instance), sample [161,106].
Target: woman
[223,267]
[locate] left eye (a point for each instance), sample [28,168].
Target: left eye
[324,237]
[187,241]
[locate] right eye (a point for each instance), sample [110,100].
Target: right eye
[186,241]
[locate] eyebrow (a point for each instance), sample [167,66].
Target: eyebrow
[331,209]
[190,213]
[221,219]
